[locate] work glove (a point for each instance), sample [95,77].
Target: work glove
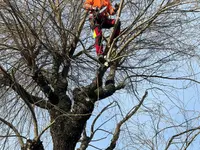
[116,7]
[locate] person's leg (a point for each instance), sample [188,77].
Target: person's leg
[97,34]
[108,23]
[98,43]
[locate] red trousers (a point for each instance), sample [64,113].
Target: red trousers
[97,25]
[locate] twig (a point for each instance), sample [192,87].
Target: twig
[15,130]
[118,127]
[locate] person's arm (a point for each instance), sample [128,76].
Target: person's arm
[88,5]
[111,10]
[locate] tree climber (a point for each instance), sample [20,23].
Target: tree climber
[101,20]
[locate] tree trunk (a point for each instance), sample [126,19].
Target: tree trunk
[68,127]
[66,133]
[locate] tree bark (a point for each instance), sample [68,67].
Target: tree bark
[66,133]
[68,127]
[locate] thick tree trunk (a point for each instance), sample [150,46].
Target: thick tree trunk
[68,127]
[66,133]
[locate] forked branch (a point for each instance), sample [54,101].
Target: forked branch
[15,130]
[127,117]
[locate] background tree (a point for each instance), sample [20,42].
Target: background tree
[50,77]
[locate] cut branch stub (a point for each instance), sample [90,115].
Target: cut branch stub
[33,145]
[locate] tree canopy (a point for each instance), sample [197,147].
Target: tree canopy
[52,83]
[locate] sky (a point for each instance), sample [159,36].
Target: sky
[164,107]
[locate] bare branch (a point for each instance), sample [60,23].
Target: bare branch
[179,134]
[21,91]
[127,117]
[15,130]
